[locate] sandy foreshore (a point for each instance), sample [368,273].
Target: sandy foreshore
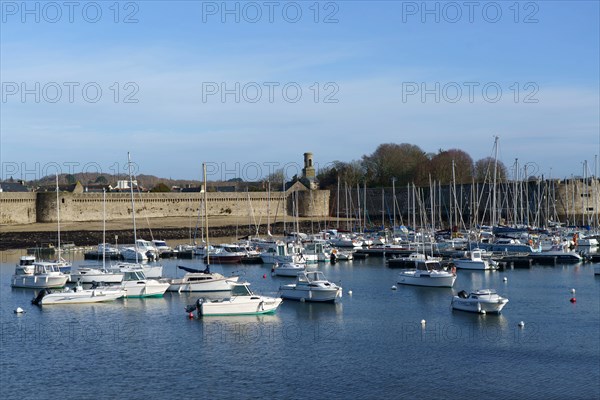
[90,233]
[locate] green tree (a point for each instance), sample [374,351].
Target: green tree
[160,188]
[71,180]
[484,170]
[101,180]
[440,166]
[405,162]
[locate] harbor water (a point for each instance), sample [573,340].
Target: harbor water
[371,344]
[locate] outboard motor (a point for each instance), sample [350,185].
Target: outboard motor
[39,297]
[333,258]
[193,307]
[463,294]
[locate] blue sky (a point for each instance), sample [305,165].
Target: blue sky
[368,73]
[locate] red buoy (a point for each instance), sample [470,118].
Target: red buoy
[573,300]
[264,276]
[191,315]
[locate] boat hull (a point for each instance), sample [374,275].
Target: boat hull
[39,282]
[430,280]
[216,259]
[213,285]
[254,305]
[82,297]
[291,292]
[144,289]
[470,264]
[488,307]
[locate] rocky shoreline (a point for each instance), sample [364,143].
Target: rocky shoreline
[21,240]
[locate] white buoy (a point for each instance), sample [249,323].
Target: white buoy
[394,287]
[423,322]
[483,312]
[349,292]
[521,324]
[19,310]
[505,279]
[573,291]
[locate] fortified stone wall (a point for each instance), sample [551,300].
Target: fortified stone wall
[89,206]
[17,208]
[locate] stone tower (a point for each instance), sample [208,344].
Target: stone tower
[308,172]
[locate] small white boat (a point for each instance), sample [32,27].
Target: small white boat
[135,284]
[311,286]
[84,274]
[241,302]
[481,301]
[150,271]
[473,260]
[78,295]
[597,270]
[44,275]
[339,255]
[410,261]
[427,273]
[161,246]
[287,269]
[201,281]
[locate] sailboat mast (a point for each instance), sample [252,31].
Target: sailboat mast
[495,177]
[338,203]
[358,202]
[58,217]
[135,246]
[394,204]
[206,216]
[284,199]
[103,228]
[269,207]
[364,206]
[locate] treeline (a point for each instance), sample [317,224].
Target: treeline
[408,163]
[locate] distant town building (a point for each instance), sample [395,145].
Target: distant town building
[13,187]
[123,185]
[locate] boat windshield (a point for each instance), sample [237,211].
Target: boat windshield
[134,275]
[315,276]
[241,290]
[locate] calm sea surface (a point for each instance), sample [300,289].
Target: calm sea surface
[371,345]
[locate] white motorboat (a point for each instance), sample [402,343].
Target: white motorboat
[133,254]
[560,253]
[481,301]
[410,261]
[276,253]
[597,270]
[345,241]
[287,269]
[135,284]
[226,254]
[25,265]
[44,275]
[161,246]
[150,271]
[242,302]
[85,274]
[142,250]
[311,286]
[78,295]
[317,250]
[427,273]
[473,260]
[201,281]
[339,255]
